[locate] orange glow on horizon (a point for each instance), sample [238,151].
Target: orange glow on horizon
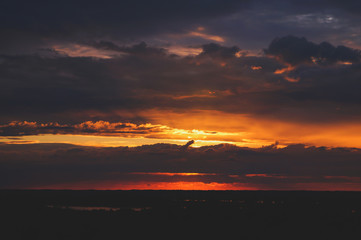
[205,127]
[202,186]
[251,131]
[188,186]
[150,186]
[173,174]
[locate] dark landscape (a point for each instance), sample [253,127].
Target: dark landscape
[69,214]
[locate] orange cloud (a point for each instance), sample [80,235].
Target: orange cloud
[255,132]
[287,69]
[77,50]
[207,36]
[206,127]
[290,79]
[102,133]
[184,51]
[256,67]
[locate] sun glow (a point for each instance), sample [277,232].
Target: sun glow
[173,174]
[181,185]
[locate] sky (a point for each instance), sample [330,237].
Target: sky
[192,95]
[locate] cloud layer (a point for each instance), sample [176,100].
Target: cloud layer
[294,167]
[142,78]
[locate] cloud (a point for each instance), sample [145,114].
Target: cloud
[207,36]
[102,133]
[47,165]
[216,50]
[29,26]
[140,48]
[89,127]
[145,79]
[250,22]
[294,50]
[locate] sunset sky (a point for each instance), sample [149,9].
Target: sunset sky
[193,95]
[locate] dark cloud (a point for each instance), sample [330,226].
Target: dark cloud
[295,50]
[71,90]
[216,50]
[250,22]
[306,5]
[336,21]
[34,25]
[40,165]
[141,48]
[85,128]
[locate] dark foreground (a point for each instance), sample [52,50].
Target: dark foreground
[180,215]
